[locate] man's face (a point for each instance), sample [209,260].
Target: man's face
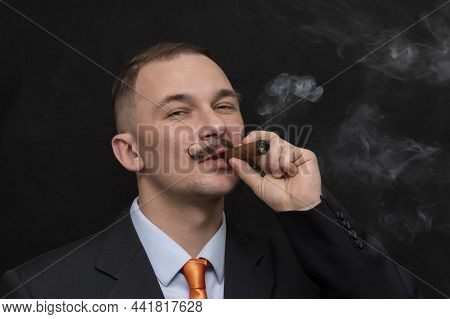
[195,104]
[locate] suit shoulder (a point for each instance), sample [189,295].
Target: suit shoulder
[75,255]
[71,271]
[78,250]
[50,270]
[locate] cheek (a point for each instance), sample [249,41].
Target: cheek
[179,140]
[235,128]
[174,150]
[235,120]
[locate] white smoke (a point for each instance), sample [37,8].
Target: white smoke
[362,153]
[287,90]
[396,54]
[366,156]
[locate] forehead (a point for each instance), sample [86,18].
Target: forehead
[192,73]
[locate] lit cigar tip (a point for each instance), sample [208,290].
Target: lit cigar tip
[262,146]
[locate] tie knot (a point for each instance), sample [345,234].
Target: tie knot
[194,271]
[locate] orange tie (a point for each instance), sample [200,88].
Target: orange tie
[194,271]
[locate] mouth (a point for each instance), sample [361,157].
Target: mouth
[216,155]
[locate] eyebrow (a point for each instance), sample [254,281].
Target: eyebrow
[189,98]
[228,93]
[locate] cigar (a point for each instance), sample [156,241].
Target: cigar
[249,151]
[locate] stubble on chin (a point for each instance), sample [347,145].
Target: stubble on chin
[213,186]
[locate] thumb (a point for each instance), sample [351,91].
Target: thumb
[246,173]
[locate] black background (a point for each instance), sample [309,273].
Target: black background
[59,180]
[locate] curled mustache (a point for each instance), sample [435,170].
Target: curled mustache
[197,151]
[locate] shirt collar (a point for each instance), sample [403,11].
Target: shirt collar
[166,256]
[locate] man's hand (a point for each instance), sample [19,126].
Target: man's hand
[292,180]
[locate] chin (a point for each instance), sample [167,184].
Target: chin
[216,185]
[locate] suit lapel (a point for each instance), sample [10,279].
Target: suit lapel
[122,257]
[138,280]
[247,267]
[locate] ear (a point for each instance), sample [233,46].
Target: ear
[125,149]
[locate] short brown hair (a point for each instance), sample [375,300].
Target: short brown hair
[124,85]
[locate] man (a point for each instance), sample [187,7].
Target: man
[175,240]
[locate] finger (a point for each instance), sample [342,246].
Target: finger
[254,136]
[262,162]
[302,156]
[273,159]
[305,160]
[287,160]
[246,173]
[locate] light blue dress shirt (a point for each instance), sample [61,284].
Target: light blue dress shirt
[167,257]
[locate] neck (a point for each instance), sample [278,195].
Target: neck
[191,222]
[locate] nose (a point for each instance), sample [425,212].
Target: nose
[212,126]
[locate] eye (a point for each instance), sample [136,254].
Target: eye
[224,106]
[176,113]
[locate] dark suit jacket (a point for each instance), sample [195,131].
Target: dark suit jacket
[323,256]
